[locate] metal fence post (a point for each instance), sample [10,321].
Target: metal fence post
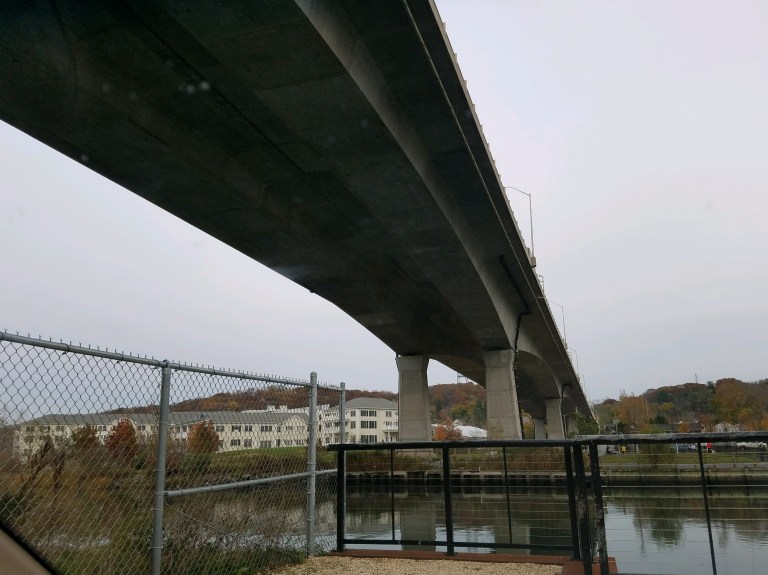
[342,413]
[162,447]
[706,508]
[312,465]
[570,483]
[582,510]
[341,498]
[450,550]
[597,492]
[506,490]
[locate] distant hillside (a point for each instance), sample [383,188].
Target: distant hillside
[689,406]
[464,401]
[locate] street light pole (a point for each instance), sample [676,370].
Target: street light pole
[562,315]
[530,215]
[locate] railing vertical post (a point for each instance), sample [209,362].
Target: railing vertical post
[392,490]
[582,510]
[569,481]
[341,498]
[506,489]
[342,413]
[162,448]
[597,492]
[341,474]
[448,501]
[706,508]
[312,465]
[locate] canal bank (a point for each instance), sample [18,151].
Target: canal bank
[753,474]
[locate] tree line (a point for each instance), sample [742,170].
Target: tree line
[688,407]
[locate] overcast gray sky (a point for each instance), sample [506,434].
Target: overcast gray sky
[639,128]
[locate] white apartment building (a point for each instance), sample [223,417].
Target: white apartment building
[367,420]
[236,430]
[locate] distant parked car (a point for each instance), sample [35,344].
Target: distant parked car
[751,445]
[685,447]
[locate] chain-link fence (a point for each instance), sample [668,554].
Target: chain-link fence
[113,463]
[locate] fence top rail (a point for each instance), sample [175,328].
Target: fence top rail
[596,439]
[159,363]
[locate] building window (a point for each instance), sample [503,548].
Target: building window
[265,444]
[101,428]
[351,413]
[367,413]
[367,439]
[352,424]
[221,444]
[234,442]
[235,428]
[265,428]
[365,424]
[59,428]
[249,427]
[219,428]
[388,414]
[248,443]
[183,428]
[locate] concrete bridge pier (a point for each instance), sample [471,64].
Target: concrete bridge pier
[554,419]
[414,422]
[503,415]
[539,431]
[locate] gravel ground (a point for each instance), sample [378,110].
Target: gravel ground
[364,566]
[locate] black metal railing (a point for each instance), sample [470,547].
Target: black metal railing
[572,468]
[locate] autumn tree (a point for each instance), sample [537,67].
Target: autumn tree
[121,443]
[632,410]
[202,438]
[446,432]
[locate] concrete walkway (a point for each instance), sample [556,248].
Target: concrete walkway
[378,562]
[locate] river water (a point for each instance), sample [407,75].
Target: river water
[649,530]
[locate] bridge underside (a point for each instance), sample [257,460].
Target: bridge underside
[314,137]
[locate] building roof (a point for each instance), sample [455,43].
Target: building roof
[470,431]
[176,418]
[370,403]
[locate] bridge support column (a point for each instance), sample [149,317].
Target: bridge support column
[413,407]
[538,428]
[570,426]
[554,419]
[501,395]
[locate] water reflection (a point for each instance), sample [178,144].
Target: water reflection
[536,517]
[665,531]
[650,530]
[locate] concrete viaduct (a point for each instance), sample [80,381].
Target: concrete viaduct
[334,142]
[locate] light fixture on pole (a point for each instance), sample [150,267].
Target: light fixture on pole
[530,216]
[562,314]
[576,357]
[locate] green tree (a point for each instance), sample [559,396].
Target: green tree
[85,438]
[585,425]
